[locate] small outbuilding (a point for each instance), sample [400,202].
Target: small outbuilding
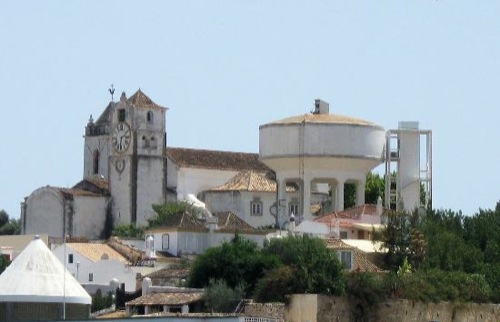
[36,286]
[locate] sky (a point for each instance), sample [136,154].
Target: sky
[225,67]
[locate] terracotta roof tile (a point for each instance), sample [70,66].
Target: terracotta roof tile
[95,252]
[248,181]
[229,222]
[100,183]
[360,261]
[69,193]
[139,99]
[183,222]
[351,213]
[95,185]
[216,160]
[166,299]
[169,273]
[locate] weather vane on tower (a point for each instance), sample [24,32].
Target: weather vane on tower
[111,91]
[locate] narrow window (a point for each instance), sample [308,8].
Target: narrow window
[96,162]
[91,277]
[70,258]
[256,208]
[121,115]
[149,117]
[293,208]
[346,259]
[343,235]
[165,241]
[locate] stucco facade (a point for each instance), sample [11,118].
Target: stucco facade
[59,211]
[95,273]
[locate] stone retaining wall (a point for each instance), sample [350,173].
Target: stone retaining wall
[318,308]
[268,310]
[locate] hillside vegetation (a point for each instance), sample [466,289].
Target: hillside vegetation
[438,255]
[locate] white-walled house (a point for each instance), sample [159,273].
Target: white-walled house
[185,234]
[96,265]
[252,197]
[191,171]
[354,223]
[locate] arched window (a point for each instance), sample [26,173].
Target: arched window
[96,162]
[149,117]
[153,142]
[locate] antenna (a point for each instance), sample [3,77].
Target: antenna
[111,91]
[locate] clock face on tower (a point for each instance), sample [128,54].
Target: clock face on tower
[121,136]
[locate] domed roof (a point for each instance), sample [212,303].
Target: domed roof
[321,118]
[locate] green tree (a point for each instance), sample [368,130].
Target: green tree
[275,285]
[130,230]
[403,238]
[3,264]
[316,269]
[447,249]
[238,262]
[9,226]
[4,217]
[219,297]
[374,188]
[164,212]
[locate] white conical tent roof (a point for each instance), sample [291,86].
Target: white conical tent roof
[36,275]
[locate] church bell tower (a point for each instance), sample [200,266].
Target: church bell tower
[137,165]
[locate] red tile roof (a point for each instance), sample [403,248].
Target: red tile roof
[95,185]
[96,252]
[360,261]
[248,181]
[70,193]
[216,160]
[141,100]
[351,213]
[230,223]
[227,222]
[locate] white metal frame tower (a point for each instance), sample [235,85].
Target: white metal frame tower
[408,154]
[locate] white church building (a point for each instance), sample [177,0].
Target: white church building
[303,161]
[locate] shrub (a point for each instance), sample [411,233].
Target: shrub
[130,231]
[365,287]
[436,285]
[100,301]
[275,285]
[219,297]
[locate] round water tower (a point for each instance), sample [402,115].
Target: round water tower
[321,148]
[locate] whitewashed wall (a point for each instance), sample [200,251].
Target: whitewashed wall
[103,270]
[45,213]
[193,181]
[150,186]
[89,216]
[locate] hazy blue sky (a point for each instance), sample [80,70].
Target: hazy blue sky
[226,67]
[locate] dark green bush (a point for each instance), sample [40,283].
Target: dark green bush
[100,301]
[130,231]
[221,298]
[275,285]
[437,285]
[365,287]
